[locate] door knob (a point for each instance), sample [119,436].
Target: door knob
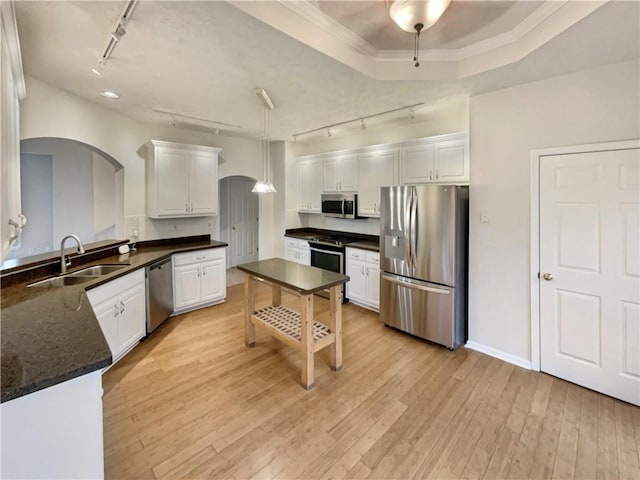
[547,277]
[233,228]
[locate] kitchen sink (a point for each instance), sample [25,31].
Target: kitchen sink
[98,270]
[81,276]
[64,281]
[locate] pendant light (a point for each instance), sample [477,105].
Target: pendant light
[265,185]
[414,16]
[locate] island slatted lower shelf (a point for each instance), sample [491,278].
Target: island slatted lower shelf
[297,329]
[286,325]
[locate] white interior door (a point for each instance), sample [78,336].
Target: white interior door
[243,221]
[590,270]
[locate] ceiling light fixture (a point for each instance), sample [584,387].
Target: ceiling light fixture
[411,108]
[191,117]
[110,94]
[414,16]
[265,185]
[115,36]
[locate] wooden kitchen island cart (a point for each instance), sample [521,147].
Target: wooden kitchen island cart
[297,329]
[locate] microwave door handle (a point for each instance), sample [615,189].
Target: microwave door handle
[344,206]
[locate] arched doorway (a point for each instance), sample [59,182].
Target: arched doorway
[239,219]
[67,187]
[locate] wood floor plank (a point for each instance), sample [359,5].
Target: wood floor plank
[587,446]
[194,402]
[628,448]
[607,455]
[567,450]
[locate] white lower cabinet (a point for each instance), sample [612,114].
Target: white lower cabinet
[297,250]
[199,278]
[55,432]
[363,268]
[120,307]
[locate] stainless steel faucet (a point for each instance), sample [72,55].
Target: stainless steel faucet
[63,261]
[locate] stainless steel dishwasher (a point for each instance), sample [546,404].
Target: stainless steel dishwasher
[159,293]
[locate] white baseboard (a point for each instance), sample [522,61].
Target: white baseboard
[507,357]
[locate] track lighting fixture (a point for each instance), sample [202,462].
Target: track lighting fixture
[362,120]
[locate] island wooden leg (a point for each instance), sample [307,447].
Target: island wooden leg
[249,308]
[335,305]
[306,326]
[276,295]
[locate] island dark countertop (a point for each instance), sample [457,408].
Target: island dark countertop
[300,278]
[50,335]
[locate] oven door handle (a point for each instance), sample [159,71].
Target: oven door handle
[340,254]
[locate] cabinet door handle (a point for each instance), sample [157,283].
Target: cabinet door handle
[340,185]
[192,206]
[430,175]
[186,207]
[436,174]
[367,271]
[362,269]
[121,307]
[115,310]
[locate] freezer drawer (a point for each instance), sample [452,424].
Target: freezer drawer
[423,309]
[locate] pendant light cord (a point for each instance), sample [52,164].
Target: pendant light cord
[416,43]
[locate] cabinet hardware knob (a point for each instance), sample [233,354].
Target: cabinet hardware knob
[121,307]
[548,277]
[233,228]
[115,310]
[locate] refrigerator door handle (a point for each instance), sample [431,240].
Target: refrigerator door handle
[407,237]
[413,215]
[413,284]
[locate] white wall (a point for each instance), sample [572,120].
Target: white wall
[49,112]
[598,105]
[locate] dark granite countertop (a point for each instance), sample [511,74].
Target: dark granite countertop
[50,334]
[366,245]
[299,278]
[366,242]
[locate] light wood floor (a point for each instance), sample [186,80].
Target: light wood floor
[194,402]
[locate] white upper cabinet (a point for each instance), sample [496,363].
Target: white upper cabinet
[309,185]
[340,173]
[12,89]
[182,180]
[443,159]
[376,169]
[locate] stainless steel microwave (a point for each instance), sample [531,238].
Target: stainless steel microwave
[340,205]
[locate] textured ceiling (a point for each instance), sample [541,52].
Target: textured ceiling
[462,24]
[205,59]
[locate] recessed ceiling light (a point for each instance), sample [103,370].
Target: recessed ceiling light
[110,94]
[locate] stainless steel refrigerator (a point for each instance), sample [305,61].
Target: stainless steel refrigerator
[423,256]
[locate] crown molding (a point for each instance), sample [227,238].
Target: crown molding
[331,38]
[12,42]
[309,11]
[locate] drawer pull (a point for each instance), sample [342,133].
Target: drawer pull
[201,258]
